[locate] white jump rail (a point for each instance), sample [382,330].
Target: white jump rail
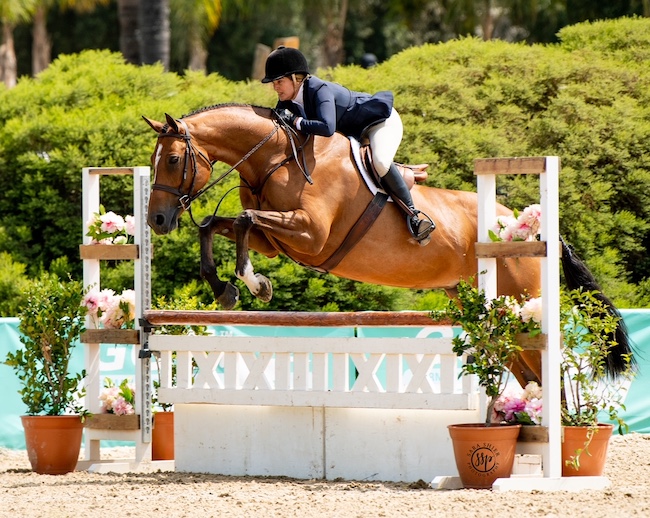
[354,407]
[296,371]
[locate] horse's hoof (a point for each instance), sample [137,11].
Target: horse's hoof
[229,297]
[265,292]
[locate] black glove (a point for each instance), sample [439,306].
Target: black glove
[287,117]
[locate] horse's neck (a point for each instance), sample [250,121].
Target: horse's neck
[229,134]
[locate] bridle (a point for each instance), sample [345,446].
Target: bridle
[185,199]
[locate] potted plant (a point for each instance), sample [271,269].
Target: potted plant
[51,322]
[485,451]
[162,447]
[588,389]
[588,332]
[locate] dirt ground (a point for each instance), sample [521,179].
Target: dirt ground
[169,494]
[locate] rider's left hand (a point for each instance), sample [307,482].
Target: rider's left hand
[287,117]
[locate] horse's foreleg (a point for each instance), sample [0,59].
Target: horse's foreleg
[258,284]
[224,292]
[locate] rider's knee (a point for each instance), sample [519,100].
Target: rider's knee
[381,164]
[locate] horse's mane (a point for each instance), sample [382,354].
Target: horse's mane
[217,106]
[224,105]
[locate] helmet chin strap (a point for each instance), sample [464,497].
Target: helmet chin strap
[296,87]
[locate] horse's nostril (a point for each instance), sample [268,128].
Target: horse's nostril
[160,219]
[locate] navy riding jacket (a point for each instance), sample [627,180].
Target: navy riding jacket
[330,107]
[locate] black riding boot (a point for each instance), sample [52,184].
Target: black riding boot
[396,187]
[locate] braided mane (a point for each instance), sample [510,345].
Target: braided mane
[224,105]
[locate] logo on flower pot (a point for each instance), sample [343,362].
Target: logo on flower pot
[483,458]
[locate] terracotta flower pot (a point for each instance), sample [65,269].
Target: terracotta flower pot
[483,453]
[53,442]
[592,459]
[162,436]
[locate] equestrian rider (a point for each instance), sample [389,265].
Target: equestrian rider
[319,107]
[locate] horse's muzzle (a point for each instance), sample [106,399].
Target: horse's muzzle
[162,223]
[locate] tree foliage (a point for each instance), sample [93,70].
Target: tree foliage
[585,99]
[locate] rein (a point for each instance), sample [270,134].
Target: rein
[185,199]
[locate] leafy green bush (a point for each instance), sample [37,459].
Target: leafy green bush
[13,283]
[51,323]
[586,99]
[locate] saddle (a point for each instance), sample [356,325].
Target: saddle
[363,157]
[362,153]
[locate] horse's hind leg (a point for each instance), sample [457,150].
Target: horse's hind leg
[258,284]
[224,292]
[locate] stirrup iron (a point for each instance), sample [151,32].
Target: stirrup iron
[424,227]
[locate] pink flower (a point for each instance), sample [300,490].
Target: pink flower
[108,397]
[130,225]
[519,406]
[113,318]
[91,301]
[534,410]
[512,406]
[106,299]
[118,400]
[521,231]
[524,227]
[122,407]
[110,310]
[111,222]
[503,227]
[532,216]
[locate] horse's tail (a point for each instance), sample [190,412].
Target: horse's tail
[577,275]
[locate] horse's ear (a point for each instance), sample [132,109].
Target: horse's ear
[172,122]
[157,126]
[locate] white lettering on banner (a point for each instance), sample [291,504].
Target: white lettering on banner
[118,363]
[436,332]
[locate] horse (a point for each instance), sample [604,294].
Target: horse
[304,197]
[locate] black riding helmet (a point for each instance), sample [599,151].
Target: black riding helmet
[284,61]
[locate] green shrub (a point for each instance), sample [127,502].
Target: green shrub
[51,323]
[13,283]
[586,99]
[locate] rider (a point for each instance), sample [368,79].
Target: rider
[319,107]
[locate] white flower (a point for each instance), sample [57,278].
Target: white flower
[532,391]
[532,310]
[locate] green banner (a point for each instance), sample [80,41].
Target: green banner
[118,362]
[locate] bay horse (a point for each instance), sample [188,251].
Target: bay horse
[302,196]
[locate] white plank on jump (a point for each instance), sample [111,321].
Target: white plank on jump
[294,344]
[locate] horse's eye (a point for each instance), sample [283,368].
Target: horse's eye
[173,159]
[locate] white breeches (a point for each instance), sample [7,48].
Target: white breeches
[385,138]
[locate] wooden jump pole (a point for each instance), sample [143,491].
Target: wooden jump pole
[292,318]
